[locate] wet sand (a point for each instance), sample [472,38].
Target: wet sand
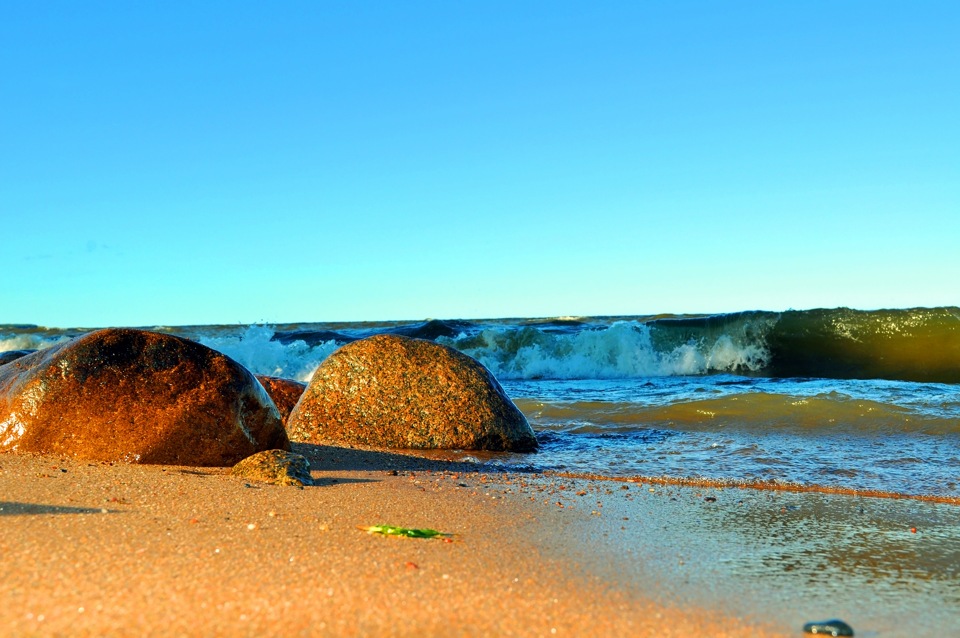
[99,549]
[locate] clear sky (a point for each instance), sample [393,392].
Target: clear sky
[224,162]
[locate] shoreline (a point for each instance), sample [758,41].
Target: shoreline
[768,486]
[195,551]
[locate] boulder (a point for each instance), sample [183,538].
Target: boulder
[397,392]
[136,396]
[275,466]
[284,392]
[13,355]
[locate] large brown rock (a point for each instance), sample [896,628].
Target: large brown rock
[284,392]
[136,396]
[397,392]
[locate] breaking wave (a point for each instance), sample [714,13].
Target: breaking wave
[919,344]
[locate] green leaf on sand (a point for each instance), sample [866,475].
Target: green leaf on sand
[390,530]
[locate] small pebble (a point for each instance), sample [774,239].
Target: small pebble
[828,628]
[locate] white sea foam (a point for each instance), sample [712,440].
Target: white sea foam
[258,352]
[624,349]
[29,342]
[723,355]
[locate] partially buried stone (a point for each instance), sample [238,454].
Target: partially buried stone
[284,392]
[136,396]
[397,392]
[275,466]
[829,628]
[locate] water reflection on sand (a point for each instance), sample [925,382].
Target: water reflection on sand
[788,557]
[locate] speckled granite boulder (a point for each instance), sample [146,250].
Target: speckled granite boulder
[275,466]
[396,392]
[13,355]
[284,392]
[136,396]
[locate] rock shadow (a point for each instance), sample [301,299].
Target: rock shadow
[15,508]
[317,482]
[332,458]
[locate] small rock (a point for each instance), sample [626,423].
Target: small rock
[829,628]
[284,392]
[278,467]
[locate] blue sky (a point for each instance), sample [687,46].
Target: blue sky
[220,162]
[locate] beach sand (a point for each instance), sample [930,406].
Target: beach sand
[91,548]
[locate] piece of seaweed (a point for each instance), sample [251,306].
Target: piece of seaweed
[406,532]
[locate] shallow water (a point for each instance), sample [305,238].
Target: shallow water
[891,436]
[793,558]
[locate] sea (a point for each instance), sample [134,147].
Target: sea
[841,400]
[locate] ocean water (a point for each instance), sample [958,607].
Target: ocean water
[839,399]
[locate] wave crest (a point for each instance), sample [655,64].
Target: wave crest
[256,349]
[623,349]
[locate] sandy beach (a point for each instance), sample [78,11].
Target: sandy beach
[99,549]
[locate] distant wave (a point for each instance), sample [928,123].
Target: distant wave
[919,344]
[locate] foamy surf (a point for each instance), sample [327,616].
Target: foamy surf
[622,350]
[257,349]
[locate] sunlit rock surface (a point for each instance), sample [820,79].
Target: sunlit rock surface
[275,466]
[396,392]
[139,397]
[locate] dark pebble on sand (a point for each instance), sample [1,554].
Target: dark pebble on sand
[829,628]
